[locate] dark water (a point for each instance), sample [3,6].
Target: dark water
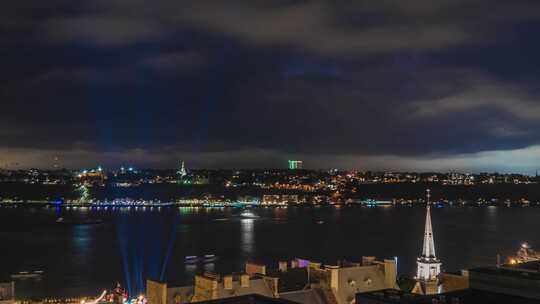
[134,244]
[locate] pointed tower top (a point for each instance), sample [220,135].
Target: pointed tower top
[182,172]
[429,267]
[428,250]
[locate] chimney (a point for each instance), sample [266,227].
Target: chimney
[390,273]
[283,266]
[273,283]
[211,275]
[228,282]
[367,260]
[334,279]
[206,287]
[254,269]
[244,280]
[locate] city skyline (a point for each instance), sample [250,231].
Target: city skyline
[255,151]
[523,161]
[417,86]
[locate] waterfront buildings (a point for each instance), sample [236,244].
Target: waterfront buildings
[277,199]
[92,177]
[261,177]
[170,185]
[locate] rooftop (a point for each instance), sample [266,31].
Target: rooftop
[462,296]
[528,270]
[248,299]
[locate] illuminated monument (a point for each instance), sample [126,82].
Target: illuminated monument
[429,267]
[182,173]
[295,164]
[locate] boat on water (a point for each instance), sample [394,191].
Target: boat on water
[246,214]
[193,259]
[210,258]
[24,275]
[64,221]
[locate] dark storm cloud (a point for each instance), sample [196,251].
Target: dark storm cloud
[175,61]
[340,82]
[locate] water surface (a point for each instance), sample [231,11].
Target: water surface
[134,244]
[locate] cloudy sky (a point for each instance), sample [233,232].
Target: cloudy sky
[398,85]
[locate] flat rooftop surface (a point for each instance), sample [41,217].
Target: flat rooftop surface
[466,296]
[529,270]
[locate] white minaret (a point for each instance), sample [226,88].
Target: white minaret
[429,267]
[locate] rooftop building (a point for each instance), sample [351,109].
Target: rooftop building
[511,283]
[249,299]
[522,279]
[339,283]
[300,281]
[209,286]
[7,293]
[392,296]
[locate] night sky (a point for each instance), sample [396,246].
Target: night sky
[371,85]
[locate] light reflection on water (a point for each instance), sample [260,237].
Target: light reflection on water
[84,259]
[247,232]
[491,212]
[81,237]
[210,267]
[81,242]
